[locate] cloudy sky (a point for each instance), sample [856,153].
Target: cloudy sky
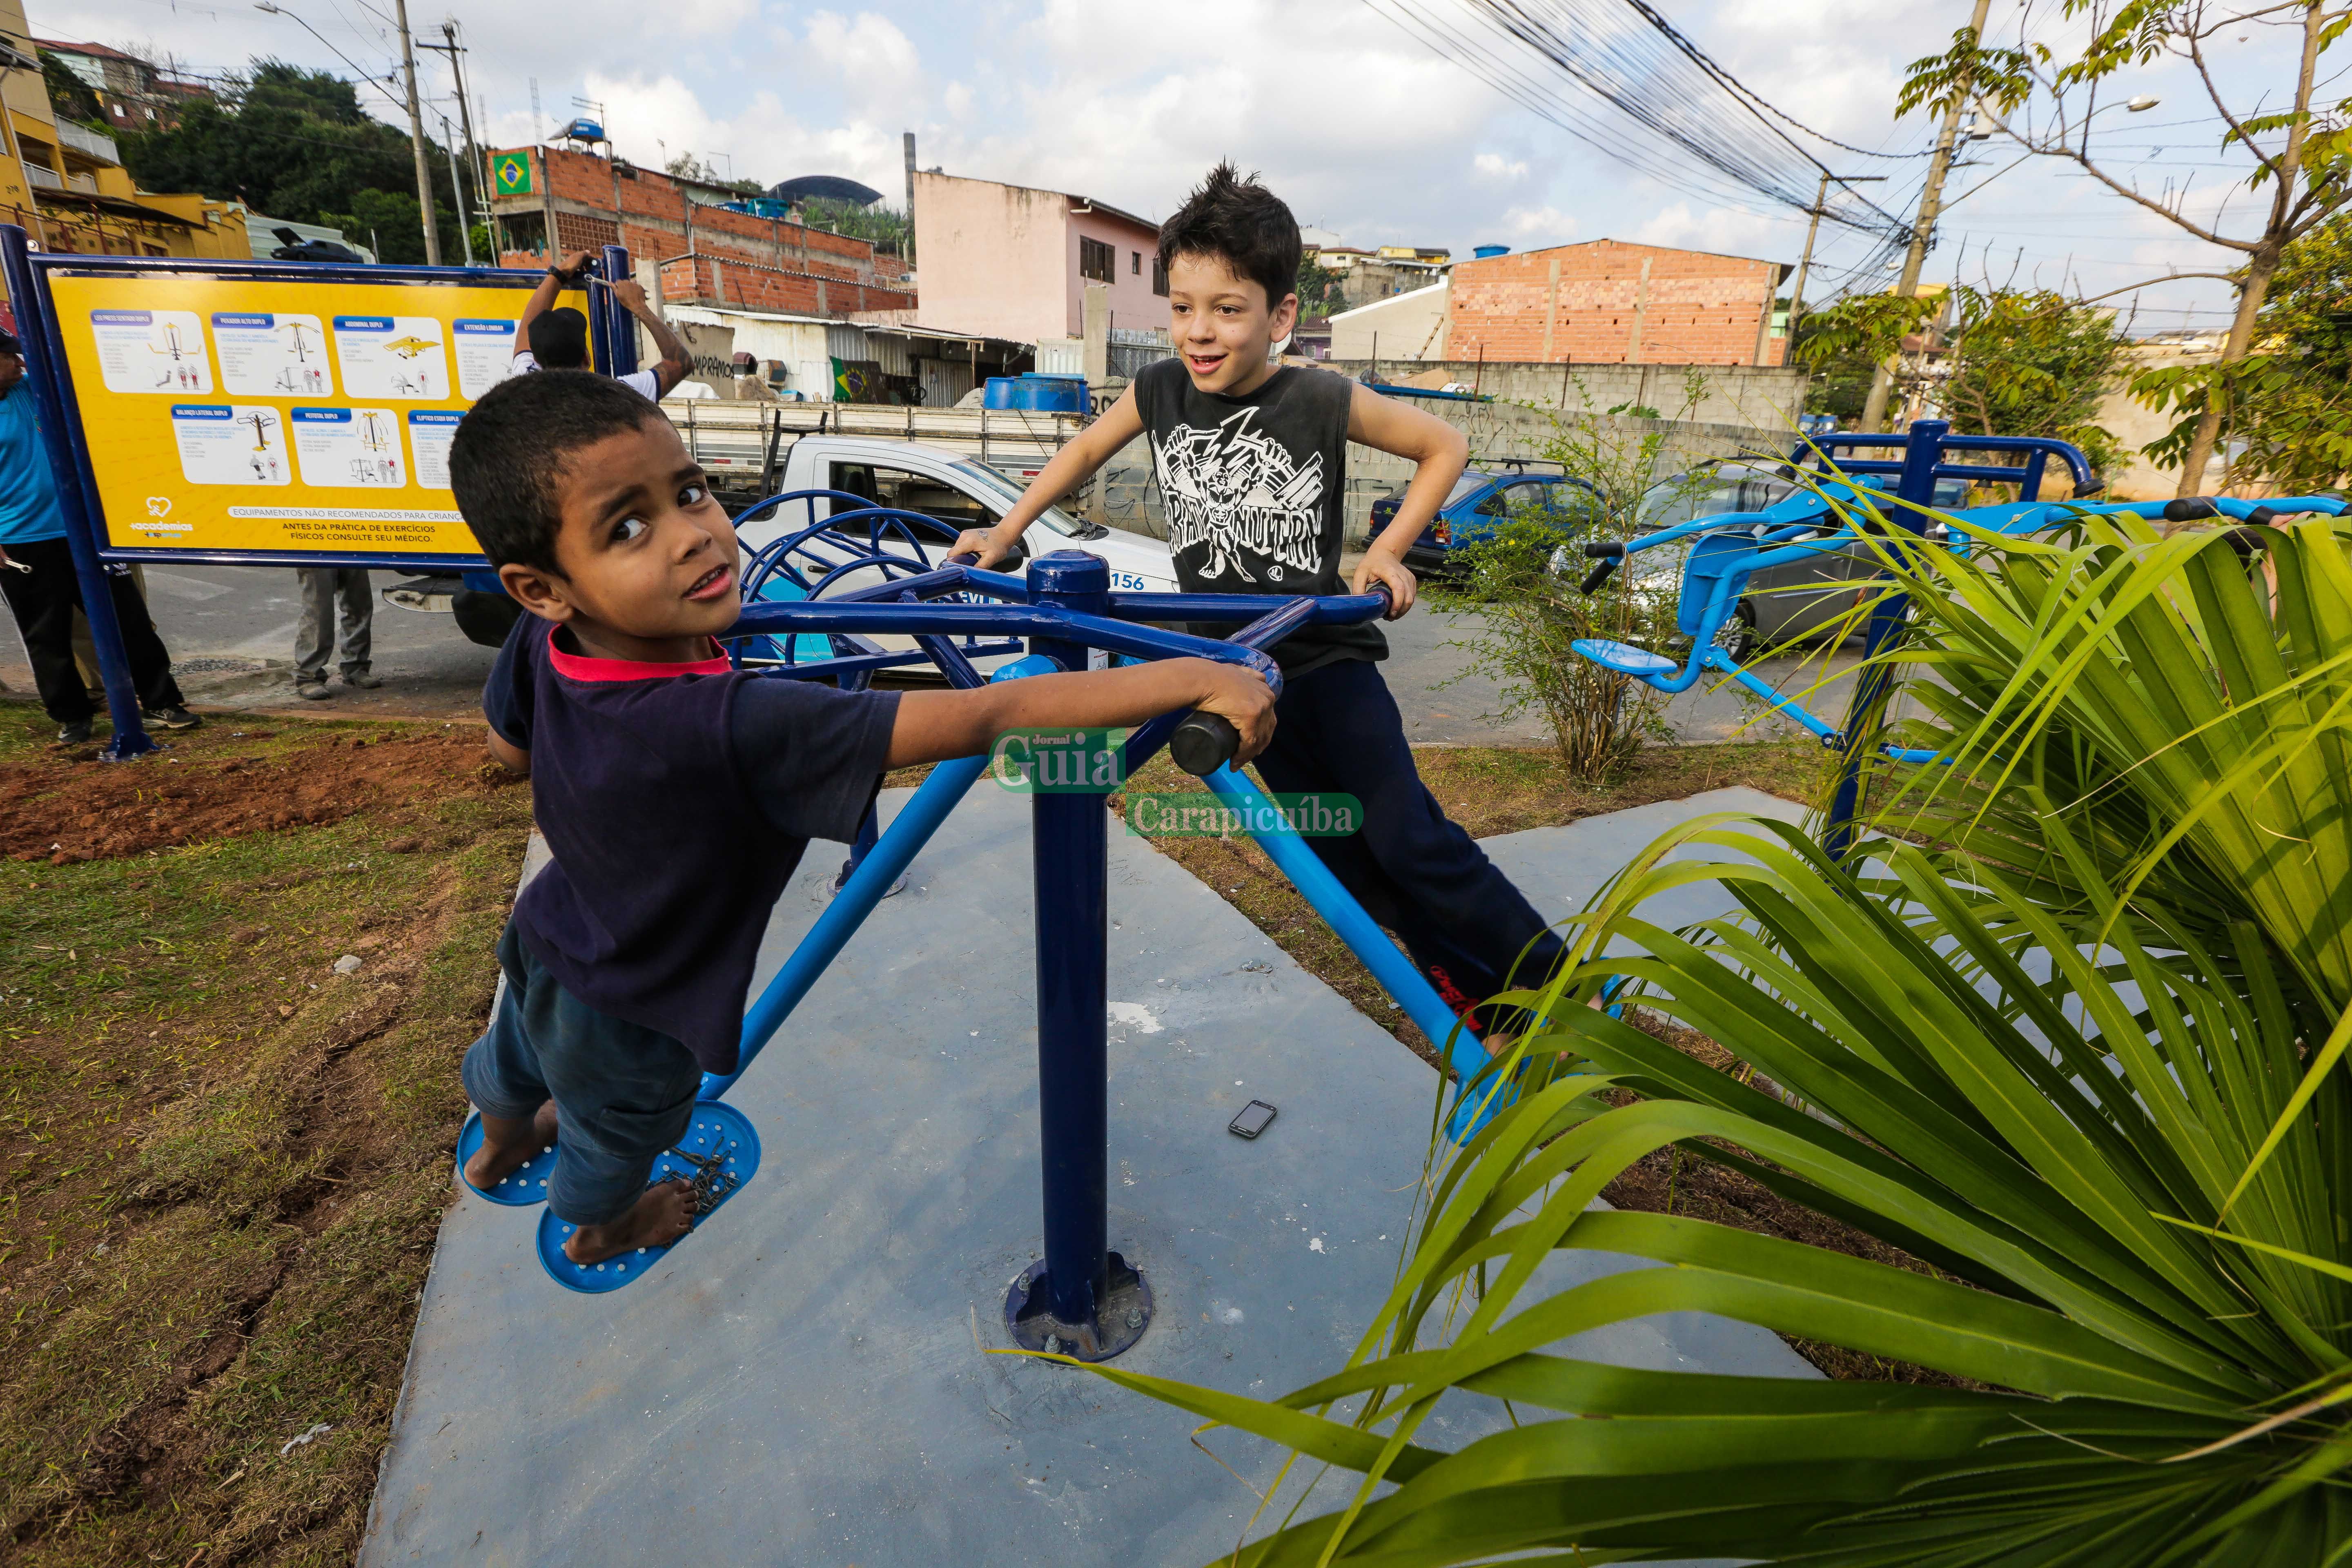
[1360,125]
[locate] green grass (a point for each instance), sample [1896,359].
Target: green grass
[224,1165]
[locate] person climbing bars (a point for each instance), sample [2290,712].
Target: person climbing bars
[555,337]
[675,793]
[1251,458]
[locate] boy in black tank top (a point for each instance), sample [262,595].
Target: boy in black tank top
[675,793]
[1252,461]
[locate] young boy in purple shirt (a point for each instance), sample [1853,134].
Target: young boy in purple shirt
[1251,459]
[676,794]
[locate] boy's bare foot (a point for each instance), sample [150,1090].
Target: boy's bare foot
[661,1218]
[507,1142]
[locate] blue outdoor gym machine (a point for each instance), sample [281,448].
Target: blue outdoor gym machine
[1727,549]
[1082,1298]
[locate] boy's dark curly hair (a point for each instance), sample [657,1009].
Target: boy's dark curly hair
[1242,224]
[510,449]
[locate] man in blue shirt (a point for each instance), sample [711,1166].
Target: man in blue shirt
[36,574]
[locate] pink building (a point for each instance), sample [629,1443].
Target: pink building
[1011,262]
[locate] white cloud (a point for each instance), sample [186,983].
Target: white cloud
[1355,122]
[1543,225]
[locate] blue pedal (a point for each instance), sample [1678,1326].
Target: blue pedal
[721,1138]
[525,1186]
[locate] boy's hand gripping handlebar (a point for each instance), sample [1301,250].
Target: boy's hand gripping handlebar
[1206,742]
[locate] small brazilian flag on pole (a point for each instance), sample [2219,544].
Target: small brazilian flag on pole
[511,173]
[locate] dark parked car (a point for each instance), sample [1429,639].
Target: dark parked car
[1787,603]
[1481,500]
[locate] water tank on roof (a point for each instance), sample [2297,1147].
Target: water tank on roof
[582,129]
[1485,252]
[826,188]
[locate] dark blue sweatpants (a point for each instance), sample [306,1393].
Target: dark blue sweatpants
[1411,867]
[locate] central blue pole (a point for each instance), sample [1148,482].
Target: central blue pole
[1083,1299]
[1072,869]
[1917,484]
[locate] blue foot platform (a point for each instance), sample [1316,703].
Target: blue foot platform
[721,1138]
[525,1186]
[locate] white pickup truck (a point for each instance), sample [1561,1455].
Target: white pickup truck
[953,491]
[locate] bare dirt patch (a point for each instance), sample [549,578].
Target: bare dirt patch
[65,806]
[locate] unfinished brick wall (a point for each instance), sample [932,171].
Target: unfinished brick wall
[1606,302]
[710,255]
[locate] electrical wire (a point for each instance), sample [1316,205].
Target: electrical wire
[1680,117]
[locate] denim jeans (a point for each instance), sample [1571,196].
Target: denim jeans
[623,1092]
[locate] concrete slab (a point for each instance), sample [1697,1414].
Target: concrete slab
[804,1382]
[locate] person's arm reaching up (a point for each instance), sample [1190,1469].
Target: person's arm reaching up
[1071,467]
[542,299]
[1441,452]
[933,726]
[671,368]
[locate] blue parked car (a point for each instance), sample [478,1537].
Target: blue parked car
[1483,498]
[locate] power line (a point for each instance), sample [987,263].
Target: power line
[1679,117]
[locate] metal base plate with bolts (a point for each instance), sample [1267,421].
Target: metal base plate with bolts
[1125,1313]
[841,880]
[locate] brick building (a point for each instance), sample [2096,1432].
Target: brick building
[1605,301]
[702,253]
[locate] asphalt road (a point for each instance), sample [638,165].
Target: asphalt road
[231,633]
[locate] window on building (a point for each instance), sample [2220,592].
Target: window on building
[1160,277]
[1135,264]
[1096,260]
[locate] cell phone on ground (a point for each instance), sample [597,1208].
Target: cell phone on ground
[1252,1121]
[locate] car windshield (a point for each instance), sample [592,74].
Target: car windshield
[1700,493]
[1000,491]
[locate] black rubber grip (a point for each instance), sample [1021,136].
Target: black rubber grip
[1204,742]
[2193,509]
[1599,575]
[2260,517]
[1604,549]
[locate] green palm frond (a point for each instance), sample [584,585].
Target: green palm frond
[2065,1039]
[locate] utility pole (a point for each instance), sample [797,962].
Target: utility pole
[452,48]
[416,138]
[1820,199]
[909,145]
[457,188]
[1931,203]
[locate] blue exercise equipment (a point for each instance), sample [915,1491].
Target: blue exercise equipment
[800,622]
[718,1156]
[525,1186]
[1727,549]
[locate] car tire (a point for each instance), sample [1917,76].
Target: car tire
[1737,637]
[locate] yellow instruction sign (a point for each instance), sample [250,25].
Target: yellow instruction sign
[228,415]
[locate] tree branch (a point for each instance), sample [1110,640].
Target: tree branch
[2237,129]
[2126,192]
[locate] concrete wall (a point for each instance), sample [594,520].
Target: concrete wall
[2135,425]
[1125,495]
[1769,396]
[1608,302]
[1404,326]
[993,259]
[1132,302]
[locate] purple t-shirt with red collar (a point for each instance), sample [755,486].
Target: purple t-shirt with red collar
[677,799]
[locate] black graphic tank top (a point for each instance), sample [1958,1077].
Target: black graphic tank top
[1256,491]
